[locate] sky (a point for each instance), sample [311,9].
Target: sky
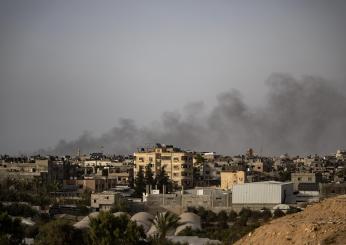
[74,68]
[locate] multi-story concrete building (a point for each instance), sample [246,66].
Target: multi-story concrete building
[260,165]
[103,201]
[230,178]
[303,177]
[177,163]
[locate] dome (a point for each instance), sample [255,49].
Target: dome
[85,222]
[190,218]
[118,214]
[152,231]
[143,219]
[182,227]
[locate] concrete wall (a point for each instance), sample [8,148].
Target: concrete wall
[103,201]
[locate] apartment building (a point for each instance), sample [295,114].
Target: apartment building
[177,163]
[230,178]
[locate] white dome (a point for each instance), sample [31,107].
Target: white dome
[85,222]
[143,219]
[182,227]
[190,218]
[152,231]
[118,214]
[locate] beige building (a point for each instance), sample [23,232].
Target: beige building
[103,201]
[177,163]
[303,177]
[230,178]
[94,184]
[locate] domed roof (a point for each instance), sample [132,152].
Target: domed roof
[152,231]
[144,225]
[143,219]
[189,217]
[182,227]
[85,222]
[118,214]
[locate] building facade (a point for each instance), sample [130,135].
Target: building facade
[178,164]
[303,177]
[230,178]
[103,201]
[266,192]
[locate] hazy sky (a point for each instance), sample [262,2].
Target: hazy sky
[70,66]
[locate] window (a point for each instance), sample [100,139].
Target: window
[141,159]
[94,200]
[309,179]
[299,179]
[166,158]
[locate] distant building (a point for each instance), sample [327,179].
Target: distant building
[340,154]
[178,164]
[231,178]
[303,177]
[103,201]
[260,165]
[332,189]
[267,192]
[94,184]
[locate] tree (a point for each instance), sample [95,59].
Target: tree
[266,214]
[222,219]
[162,180]
[199,158]
[107,229]
[149,176]
[196,176]
[244,216]
[139,183]
[293,210]
[18,209]
[11,230]
[278,213]
[58,232]
[165,222]
[120,205]
[232,216]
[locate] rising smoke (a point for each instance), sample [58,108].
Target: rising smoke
[298,117]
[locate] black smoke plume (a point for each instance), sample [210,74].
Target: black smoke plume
[298,117]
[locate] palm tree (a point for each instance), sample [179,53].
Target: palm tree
[165,222]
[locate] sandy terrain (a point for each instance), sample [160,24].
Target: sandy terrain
[321,223]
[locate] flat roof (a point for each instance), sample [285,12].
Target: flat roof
[270,182]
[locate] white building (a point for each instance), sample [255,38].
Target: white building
[267,192]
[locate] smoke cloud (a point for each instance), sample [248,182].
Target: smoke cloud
[299,116]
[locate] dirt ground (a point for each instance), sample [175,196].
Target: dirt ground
[321,223]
